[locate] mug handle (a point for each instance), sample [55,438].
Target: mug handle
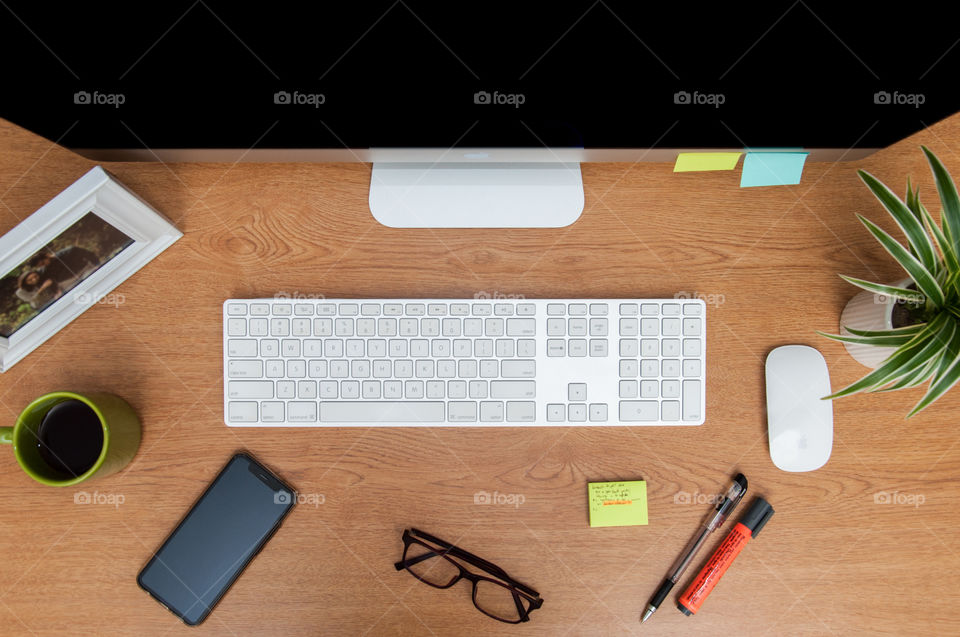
[6,435]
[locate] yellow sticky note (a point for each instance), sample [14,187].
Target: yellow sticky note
[692,162]
[617,503]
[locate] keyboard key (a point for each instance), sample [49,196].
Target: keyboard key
[271,412]
[555,412]
[360,369]
[628,389]
[526,347]
[577,309]
[425,368]
[691,327]
[344,327]
[259,309]
[403,369]
[488,369]
[339,369]
[245,369]
[349,389]
[392,389]
[258,326]
[355,347]
[327,309]
[322,327]
[387,327]
[649,327]
[521,411]
[556,327]
[503,309]
[349,309]
[241,347]
[517,369]
[461,411]
[279,327]
[409,327]
[578,347]
[691,347]
[275,369]
[628,348]
[451,327]
[467,369]
[282,309]
[493,327]
[370,309]
[317,369]
[599,309]
[478,389]
[692,309]
[649,309]
[670,368]
[598,412]
[270,347]
[473,327]
[481,309]
[691,400]
[628,309]
[430,327]
[556,347]
[303,309]
[393,309]
[577,327]
[691,368]
[296,369]
[371,389]
[435,389]
[649,347]
[419,347]
[670,309]
[598,347]
[440,348]
[382,412]
[521,327]
[329,389]
[576,391]
[526,309]
[577,413]
[649,367]
[290,347]
[670,347]
[300,327]
[251,389]
[556,309]
[670,410]
[639,410]
[483,347]
[513,389]
[456,389]
[491,411]
[598,327]
[670,388]
[286,389]
[236,327]
[506,347]
[670,327]
[460,309]
[376,348]
[628,369]
[437,309]
[629,327]
[242,411]
[415,309]
[446,369]
[649,388]
[307,389]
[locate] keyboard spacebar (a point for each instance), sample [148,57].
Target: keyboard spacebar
[375,411]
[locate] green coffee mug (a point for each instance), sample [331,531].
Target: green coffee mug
[121,436]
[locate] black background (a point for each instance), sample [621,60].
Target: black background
[594,74]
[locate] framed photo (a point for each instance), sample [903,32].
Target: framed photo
[69,255]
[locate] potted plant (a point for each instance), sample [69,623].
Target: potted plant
[910,330]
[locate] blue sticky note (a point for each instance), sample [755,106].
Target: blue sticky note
[772,169]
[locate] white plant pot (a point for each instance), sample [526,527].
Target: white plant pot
[869,311]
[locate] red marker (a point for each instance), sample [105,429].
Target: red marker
[747,528]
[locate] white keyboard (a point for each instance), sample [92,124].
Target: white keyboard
[439,362]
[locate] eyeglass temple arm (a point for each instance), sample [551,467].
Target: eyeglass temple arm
[402,564]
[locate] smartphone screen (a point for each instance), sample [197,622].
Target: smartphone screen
[224,530]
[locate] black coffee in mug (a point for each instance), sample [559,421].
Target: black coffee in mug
[70,438]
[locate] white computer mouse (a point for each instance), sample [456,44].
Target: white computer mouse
[800,424]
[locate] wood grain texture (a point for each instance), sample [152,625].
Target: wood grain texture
[831,561]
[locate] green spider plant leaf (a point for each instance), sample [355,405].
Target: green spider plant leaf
[907,358]
[946,248]
[925,281]
[909,329]
[945,377]
[948,199]
[909,223]
[879,341]
[912,379]
[886,290]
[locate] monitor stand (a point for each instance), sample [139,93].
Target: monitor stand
[476,195]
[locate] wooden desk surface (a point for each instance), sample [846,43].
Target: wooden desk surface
[831,561]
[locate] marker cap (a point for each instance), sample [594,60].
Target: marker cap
[757,516]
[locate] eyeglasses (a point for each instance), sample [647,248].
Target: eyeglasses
[504,598]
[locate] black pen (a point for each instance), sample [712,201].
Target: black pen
[713,521]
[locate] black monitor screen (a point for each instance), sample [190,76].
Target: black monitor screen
[402,73]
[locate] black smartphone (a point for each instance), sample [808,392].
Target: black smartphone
[230,523]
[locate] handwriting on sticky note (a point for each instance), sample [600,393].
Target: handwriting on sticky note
[694,162]
[617,503]
[772,169]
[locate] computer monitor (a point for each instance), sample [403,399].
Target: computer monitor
[479,114]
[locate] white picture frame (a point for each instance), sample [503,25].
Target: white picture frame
[97,192]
